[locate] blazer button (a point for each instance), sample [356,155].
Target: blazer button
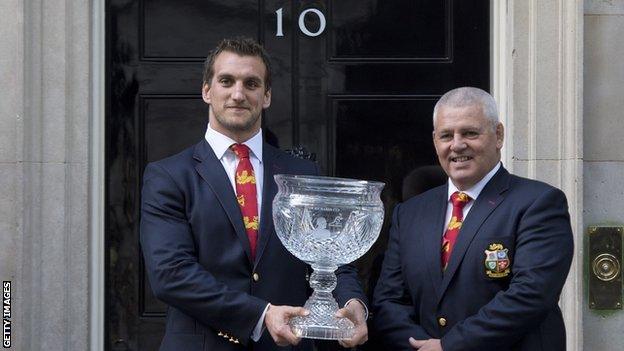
[255,277]
[442,321]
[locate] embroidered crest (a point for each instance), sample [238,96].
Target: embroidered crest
[497,261]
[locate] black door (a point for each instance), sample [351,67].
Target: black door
[354,83]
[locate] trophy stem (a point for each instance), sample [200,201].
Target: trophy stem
[321,322]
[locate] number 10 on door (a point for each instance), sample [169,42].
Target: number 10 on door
[302,26]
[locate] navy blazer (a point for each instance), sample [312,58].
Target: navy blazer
[197,254]
[514,310]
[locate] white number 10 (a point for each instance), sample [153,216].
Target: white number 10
[302,25]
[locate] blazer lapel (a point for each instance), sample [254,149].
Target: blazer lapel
[432,236]
[271,167]
[211,170]
[488,200]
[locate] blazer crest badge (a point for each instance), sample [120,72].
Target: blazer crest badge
[497,262]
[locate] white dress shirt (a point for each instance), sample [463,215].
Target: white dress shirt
[220,144]
[473,192]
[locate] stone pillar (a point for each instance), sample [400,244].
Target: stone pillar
[11,117]
[603,164]
[538,62]
[45,68]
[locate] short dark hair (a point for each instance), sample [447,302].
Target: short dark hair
[242,46]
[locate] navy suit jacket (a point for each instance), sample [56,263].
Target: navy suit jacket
[197,254]
[518,311]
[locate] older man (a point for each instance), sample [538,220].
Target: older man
[211,252]
[478,263]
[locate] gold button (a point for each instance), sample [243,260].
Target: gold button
[442,321]
[256,277]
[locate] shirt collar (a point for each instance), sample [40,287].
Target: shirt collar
[476,189]
[221,143]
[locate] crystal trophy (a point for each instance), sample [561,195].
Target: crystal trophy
[326,222]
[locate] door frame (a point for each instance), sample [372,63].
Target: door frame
[507,37]
[97,172]
[501,79]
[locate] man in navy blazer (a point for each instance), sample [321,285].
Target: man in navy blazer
[222,293]
[507,266]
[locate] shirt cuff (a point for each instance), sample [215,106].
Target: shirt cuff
[361,303]
[257,332]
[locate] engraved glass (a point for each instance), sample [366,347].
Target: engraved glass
[326,222]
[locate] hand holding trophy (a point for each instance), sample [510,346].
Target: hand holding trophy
[326,222]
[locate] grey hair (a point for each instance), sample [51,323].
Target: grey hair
[469,96]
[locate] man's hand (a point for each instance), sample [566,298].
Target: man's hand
[355,312]
[426,345]
[276,321]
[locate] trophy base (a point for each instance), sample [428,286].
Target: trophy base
[321,323]
[333,329]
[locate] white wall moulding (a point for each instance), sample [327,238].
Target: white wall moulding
[11,119]
[53,218]
[537,78]
[96,178]
[501,25]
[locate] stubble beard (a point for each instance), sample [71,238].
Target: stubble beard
[236,125]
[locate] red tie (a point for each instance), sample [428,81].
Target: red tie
[459,200]
[246,195]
